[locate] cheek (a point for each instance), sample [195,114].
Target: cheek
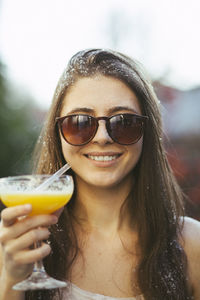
[65,150]
[140,146]
[69,152]
[136,150]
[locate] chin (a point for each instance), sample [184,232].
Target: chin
[105,184]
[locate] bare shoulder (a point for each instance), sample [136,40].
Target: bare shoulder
[191,245]
[0,258]
[191,234]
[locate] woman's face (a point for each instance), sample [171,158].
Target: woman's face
[101,96]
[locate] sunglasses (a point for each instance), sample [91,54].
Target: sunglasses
[80,129]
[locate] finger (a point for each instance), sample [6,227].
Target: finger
[10,215]
[58,212]
[26,240]
[31,256]
[26,224]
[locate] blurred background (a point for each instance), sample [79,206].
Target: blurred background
[37,38]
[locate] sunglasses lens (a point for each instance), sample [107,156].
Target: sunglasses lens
[126,129]
[78,129]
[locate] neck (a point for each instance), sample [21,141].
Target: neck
[102,209]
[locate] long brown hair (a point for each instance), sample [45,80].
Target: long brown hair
[156,204]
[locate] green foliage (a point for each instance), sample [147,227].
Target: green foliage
[18,129]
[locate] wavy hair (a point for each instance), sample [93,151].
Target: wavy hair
[157,202]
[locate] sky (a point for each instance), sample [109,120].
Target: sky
[38,37]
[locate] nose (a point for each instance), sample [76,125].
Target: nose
[102,137]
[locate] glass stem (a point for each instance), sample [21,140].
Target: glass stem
[38,265]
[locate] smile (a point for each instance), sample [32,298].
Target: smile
[103,158]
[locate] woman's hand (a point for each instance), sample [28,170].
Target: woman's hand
[17,234]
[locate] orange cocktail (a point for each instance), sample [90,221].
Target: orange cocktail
[42,202]
[45,198]
[19,190]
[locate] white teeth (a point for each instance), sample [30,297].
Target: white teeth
[102,158]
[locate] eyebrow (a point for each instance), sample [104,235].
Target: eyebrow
[81,109]
[119,108]
[110,110]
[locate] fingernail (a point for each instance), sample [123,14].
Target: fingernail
[28,206]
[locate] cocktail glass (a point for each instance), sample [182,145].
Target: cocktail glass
[19,190]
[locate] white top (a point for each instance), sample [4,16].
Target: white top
[75,293]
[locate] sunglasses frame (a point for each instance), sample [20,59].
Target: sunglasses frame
[59,121]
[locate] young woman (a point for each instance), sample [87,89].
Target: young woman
[123,234]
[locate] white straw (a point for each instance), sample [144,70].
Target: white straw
[56,175]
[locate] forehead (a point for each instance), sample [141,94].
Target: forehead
[99,93]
